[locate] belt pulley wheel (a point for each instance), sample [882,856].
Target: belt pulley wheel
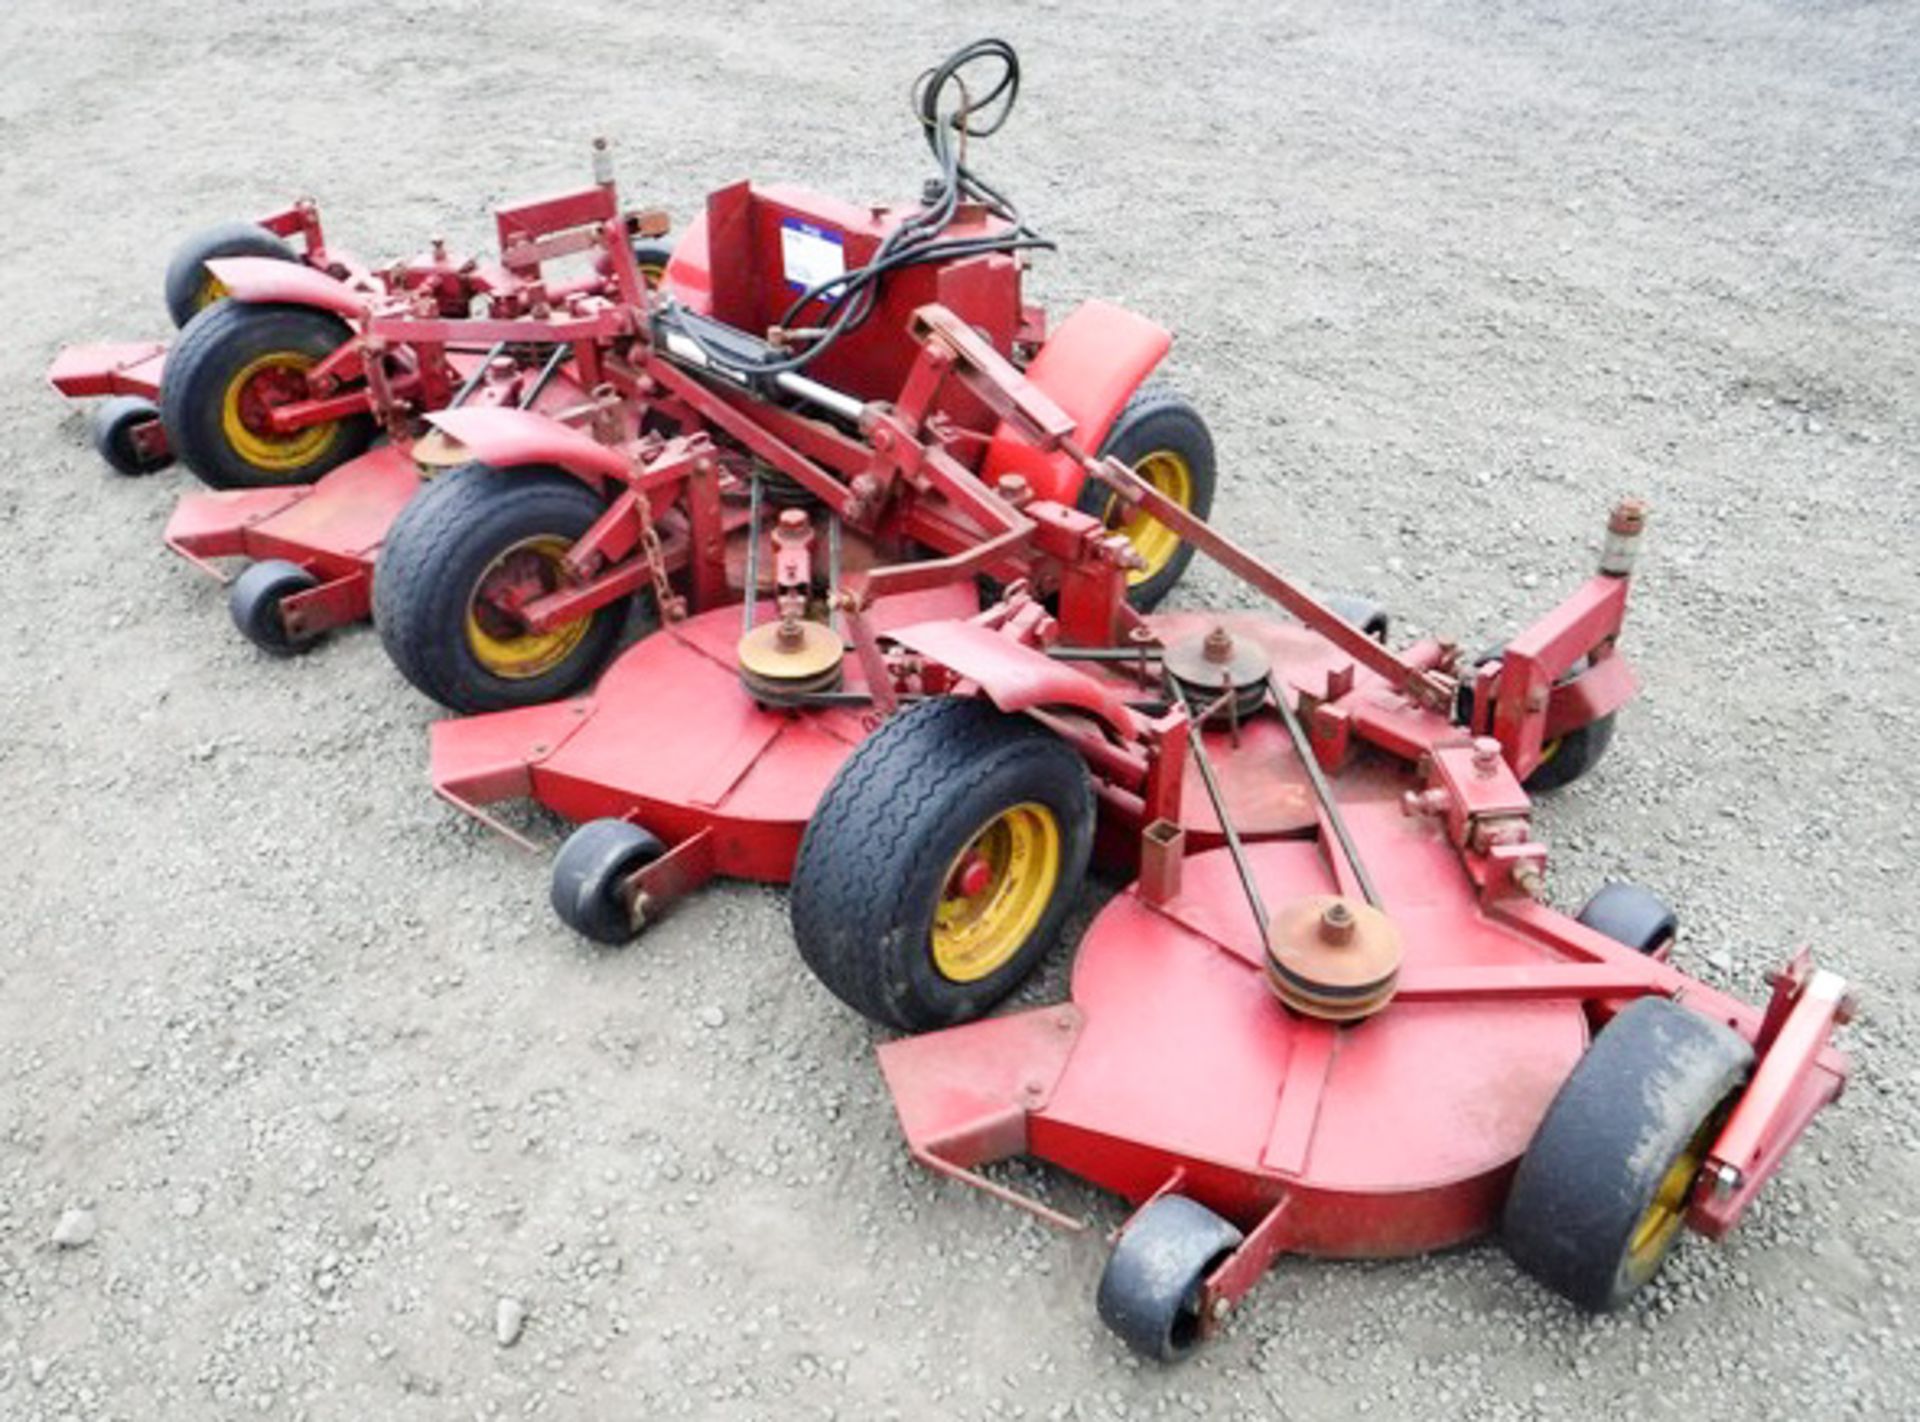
[784,659]
[436,449]
[1204,667]
[1333,957]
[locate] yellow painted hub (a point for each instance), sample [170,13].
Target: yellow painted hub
[501,643]
[241,407]
[212,289]
[1011,866]
[652,274]
[1657,1229]
[1171,475]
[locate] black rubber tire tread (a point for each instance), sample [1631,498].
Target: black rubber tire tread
[595,858]
[1363,612]
[185,270]
[254,601]
[1157,417]
[1653,1077]
[1149,1291]
[1580,751]
[874,857]
[215,345]
[1631,915]
[110,425]
[436,551]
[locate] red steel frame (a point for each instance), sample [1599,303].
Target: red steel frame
[1557,675]
[907,476]
[1554,677]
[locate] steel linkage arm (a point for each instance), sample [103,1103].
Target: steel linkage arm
[1426,688]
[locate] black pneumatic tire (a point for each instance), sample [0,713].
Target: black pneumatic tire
[111,425]
[1631,915]
[185,285]
[1651,1086]
[216,346]
[1155,419]
[1150,1290]
[873,864]
[254,600]
[433,559]
[587,873]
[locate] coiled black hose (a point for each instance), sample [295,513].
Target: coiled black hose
[949,115]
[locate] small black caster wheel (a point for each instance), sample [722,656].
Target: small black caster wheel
[1601,1196]
[255,598]
[1363,612]
[1567,758]
[587,873]
[1150,1292]
[1629,914]
[113,424]
[1564,759]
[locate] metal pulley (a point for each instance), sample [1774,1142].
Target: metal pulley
[789,658]
[1207,666]
[1333,957]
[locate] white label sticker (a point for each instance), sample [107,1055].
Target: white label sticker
[809,254]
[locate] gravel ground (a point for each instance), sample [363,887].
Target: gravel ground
[326,1082]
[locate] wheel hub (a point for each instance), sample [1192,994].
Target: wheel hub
[496,627]
[996,892]
[255,392]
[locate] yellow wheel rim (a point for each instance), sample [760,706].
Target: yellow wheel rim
[212,289]
[1171,475]
[275,378]
[1656,1230]
[652,274]
[995,892]
[501,642]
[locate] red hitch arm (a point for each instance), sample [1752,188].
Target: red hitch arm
[1426,688]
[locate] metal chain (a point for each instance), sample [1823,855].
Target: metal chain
[667,603]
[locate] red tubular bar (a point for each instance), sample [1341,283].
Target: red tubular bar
[1423,686]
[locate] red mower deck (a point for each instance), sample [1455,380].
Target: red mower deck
[730,782]
[1244,1112]
[1173,1068]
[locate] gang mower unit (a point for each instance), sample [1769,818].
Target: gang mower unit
[297,383]
[1331,1014]
[587,437]
[125,425]
[831,367]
